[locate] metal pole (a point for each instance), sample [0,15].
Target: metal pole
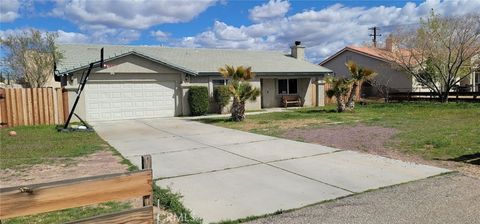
[79,92]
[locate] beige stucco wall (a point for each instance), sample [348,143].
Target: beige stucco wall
[51,82]
[395,79]
[163,73]
[213,108]
[271,98]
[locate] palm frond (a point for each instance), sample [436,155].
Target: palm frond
[359,73]
[339,86]
[352,66]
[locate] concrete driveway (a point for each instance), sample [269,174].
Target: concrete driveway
[229,174]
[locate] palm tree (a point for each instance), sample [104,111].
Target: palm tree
[359,74]
[339,89]
[240,89]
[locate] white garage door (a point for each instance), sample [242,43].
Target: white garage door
[129,100]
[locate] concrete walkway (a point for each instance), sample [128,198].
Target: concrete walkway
[229,174]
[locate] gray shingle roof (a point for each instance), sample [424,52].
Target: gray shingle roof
[195,60]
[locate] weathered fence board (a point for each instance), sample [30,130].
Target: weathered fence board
[60,106]
[59,195]
[139,215]
[32,106]
[73,193]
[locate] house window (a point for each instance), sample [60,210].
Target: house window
[287,86]
[219,82]
[292,86]
[282,86]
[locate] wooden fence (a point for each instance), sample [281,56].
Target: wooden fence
[53,196]
[429,96]
[32,106]
[333,100]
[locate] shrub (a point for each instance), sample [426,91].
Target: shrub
[221,96]
[172,202]
[198,100]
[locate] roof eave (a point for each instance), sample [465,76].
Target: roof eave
[276,73]
[355,51]
[171,65]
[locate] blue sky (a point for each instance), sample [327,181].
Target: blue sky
[323,26]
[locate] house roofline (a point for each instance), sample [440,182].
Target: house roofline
[162,62]
[347,48]
[275,73]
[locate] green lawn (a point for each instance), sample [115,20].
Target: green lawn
[432,130]
[43,144]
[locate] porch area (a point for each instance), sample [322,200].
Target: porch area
[309,90]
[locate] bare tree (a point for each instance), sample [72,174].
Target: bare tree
[440,53]
[382,88]
[30,56]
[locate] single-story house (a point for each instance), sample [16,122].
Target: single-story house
[153,81]
[376,59]
[388,78]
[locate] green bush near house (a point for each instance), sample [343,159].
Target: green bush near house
[221,96]
[198,100]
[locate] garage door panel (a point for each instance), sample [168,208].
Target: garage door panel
[116,101]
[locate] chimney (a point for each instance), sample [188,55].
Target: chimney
[389,45]
[298,50]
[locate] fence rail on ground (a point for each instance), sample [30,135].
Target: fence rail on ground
[32,106]
[429,96]
[59,195]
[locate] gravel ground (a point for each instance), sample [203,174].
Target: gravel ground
[452,198]
[359,137]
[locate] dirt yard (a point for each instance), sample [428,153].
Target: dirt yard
[98,163]
[373,140]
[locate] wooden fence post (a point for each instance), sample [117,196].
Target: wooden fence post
[3,108]
[66,107]
[147,164]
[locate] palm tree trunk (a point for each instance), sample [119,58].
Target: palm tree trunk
[351,98]
[238,110]
[340,103]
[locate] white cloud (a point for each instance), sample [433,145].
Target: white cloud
[323,31]
[9,10]
[270,10]
[121,21]
[63,36]
[98,35]
[103,34]
[11,32]
[71,37]
[160,35]
[138,14]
